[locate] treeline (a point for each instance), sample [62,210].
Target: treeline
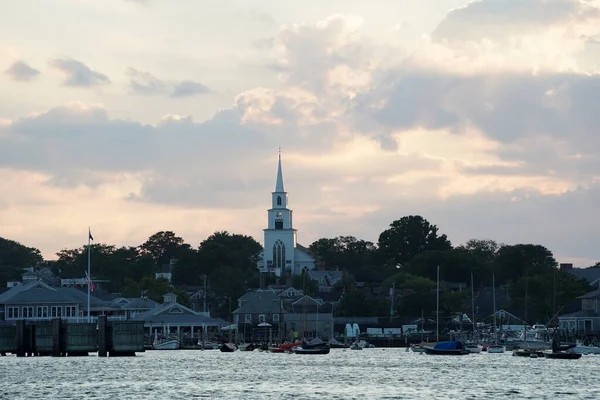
[406,256]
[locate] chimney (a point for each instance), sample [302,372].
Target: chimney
[566,266]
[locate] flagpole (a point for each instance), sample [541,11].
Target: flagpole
[89,276]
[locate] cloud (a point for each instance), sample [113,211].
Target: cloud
[78,74]
[189,88]
[505,19]
[485,134]
[144,83]
[21,71]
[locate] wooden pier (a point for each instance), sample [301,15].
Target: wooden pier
[59,339]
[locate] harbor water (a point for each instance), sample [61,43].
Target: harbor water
[342,374]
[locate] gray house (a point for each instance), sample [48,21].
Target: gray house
[586,319]
[35,300]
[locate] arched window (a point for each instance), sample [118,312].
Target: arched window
[278,200]
[279,255]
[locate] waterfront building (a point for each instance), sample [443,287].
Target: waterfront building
[282,254]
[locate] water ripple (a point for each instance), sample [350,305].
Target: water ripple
[367,374]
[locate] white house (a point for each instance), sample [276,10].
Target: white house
[282,252]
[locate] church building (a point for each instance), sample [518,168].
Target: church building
[282,253]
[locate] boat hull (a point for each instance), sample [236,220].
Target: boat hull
[586,350]
[528,353]
[227,348]
[561,355]
[167,345]
[446,352]
[496,349]
[417,349]
[319,350]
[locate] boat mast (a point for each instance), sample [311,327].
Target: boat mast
[437,312]
[473,310]
[526,294]
[494,296]
[422,324]
[230,319]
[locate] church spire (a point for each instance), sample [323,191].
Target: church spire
[279,184]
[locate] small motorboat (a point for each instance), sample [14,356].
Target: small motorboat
[474,348]
[355,346]
[336,344]
[528,353]
[417,348]
[496,349]
[451,348]
[247,347]
[169,344]
[562,355]
[312,350]
[227,348]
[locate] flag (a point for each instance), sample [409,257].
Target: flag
[89,282]
[90,234]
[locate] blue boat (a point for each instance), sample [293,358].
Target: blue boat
[452,348]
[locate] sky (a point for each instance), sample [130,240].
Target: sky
[136,116]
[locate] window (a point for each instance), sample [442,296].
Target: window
[278,200]
[279,254]
[261,318]
[56,311]
[70,311]
[278,223]
[248,318]
[275,317]
[28,312]
[12,312]
[588,304]
[175,310]
[42,312]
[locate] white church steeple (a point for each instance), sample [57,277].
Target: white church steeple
[282,254]
[279,185]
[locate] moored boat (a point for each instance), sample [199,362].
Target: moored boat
[451,348]
[496,349]
[474,348]
[528,353]
[562,355]
[169,344]
[227,348]
[313,350]
[355,346]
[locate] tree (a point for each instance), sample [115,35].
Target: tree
[409,237]
[230,262]
[344,252]
[162,246]
[360,304]
[14,257]
[303,282]
[512,262]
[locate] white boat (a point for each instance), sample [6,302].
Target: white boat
[355,346]
[581,349]
[496,348]
[168,344]
[417,348]
[474,348]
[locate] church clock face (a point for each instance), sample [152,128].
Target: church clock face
[279,213]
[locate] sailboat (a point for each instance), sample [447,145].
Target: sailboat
[418,348]
[317,345]
[495,348]
[474,347]
[452,348]
[229,347]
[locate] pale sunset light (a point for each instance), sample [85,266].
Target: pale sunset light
[170,118]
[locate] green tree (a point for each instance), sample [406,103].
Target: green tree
[512,262]
[358,303]
[162,246]
[409,237]
[14,257]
